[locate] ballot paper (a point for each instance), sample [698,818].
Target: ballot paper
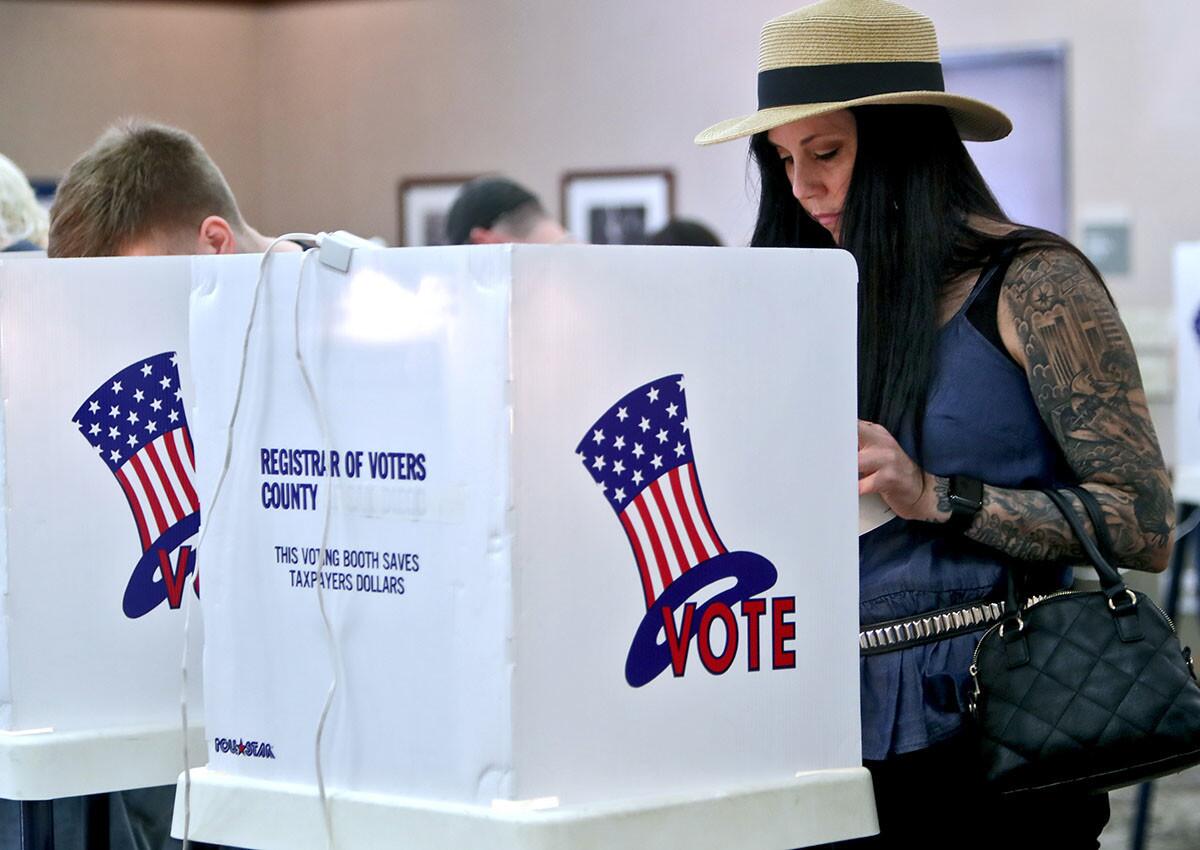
[872,513]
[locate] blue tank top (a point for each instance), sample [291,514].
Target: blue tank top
[980,420]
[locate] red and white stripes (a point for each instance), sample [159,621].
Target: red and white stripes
[158,484]
[669,529]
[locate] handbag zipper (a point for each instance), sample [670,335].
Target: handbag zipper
[1030,603]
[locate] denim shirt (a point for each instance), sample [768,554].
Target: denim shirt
[980,420]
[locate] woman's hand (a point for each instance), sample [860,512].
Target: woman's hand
[885,468]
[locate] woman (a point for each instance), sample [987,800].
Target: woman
[992,364]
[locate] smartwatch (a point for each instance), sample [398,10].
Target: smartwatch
[966,500]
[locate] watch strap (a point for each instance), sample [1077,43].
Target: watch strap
[966,500]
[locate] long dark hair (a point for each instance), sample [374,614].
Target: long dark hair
[905,220]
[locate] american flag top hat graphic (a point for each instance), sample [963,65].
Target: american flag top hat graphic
[640,455]
[136,422]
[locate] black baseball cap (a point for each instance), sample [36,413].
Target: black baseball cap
[481,202]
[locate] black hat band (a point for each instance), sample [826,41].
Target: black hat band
[846,81]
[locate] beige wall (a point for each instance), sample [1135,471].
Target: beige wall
[526,87]
[68,69]
[538,87]
[535,88]
[1134,101]
[315,110]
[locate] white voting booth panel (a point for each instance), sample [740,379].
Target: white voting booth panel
[1187,394]
[532,452]
[92,355]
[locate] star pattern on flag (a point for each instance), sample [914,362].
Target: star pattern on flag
[614,451]
[149,452]
[644,468]
[135,411]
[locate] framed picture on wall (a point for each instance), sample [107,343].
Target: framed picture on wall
[424,204]
[617,207]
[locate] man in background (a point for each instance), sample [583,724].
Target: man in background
[492,210]
[142,189]
[148,189]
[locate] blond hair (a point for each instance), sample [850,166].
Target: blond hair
[138,178]
[22,218]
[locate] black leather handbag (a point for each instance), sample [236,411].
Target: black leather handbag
[1084,690]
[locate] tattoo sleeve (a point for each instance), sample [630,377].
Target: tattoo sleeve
[1085,382]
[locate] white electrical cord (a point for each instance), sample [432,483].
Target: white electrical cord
[335,654]
[212,504]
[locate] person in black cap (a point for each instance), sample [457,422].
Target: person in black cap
[491,210]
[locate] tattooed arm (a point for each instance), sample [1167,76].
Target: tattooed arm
[1057,321]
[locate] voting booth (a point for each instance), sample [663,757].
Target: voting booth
[591,556]
[98,514]
[1186,482]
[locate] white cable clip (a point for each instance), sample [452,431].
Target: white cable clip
[336,249]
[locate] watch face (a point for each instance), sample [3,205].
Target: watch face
[966,493]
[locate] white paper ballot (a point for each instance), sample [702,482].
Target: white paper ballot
[872,513]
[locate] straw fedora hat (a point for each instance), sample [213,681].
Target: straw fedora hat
[841,53]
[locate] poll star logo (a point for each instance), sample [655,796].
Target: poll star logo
[135,420]
[241,747]
[640,455]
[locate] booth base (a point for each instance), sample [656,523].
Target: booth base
[815,808]
[43,765]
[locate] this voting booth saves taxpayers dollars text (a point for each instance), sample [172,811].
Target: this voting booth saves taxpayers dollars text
[592,546]
[98,516]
